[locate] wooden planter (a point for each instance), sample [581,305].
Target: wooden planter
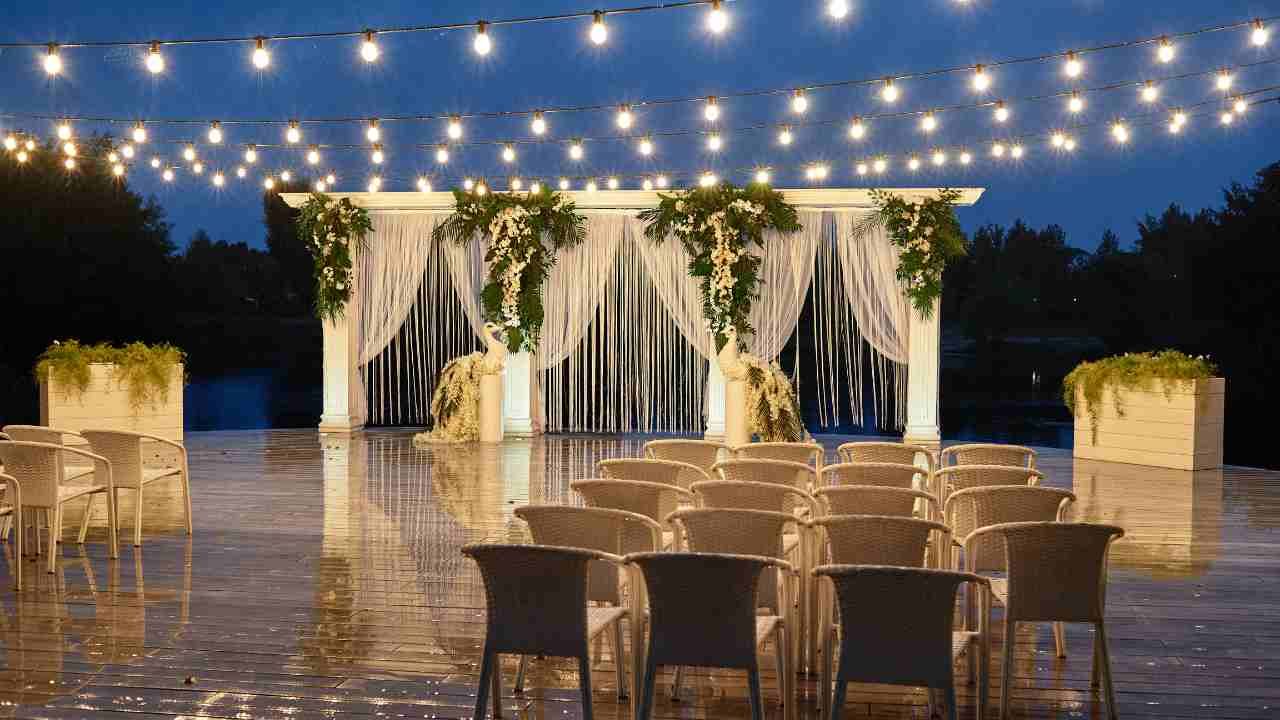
[1182,430]
[104,405]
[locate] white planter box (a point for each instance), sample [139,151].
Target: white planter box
[1182,430]
[104,405]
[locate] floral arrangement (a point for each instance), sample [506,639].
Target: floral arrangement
[927,235]
[773,411]
[334,231]
[524,232]
[456,402]
[717,226]
[144,370]
[1131,371]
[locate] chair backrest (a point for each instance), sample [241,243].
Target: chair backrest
[887,452]
[598,529]
[807,453]
[874,500]
[123,449]
[702,608]
[668,472]
[41,434]
[906,614]
[702,453]
[779,472]
[961,477]
[536,598]
[653,500]
[738,532]
[989,454]
[6,496]
[898,475]
[978,507]
[752,496]
[877,539]
[1057,571]
[37,466]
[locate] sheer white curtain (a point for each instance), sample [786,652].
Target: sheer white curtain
[868,264]
[575,286]
[390,273]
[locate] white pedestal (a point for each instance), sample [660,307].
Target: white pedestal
[735,413]
[924,356]
[715,402]
[491,408]
[517,402]
[343,403]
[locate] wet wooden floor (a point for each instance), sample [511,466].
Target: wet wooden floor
[324,580]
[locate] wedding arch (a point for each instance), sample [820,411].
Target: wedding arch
[624,346]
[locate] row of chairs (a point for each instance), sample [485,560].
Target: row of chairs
[43,469]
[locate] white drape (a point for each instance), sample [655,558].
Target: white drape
[868,263]
[574,288]
[390,273]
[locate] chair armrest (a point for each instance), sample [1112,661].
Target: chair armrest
[95,458]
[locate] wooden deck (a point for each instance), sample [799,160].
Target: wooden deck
[325,580]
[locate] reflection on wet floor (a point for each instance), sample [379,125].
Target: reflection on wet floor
[325,578]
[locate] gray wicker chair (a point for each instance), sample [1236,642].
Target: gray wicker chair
[536,600]
[12,507]
[125,450]
[1057,573]
[611,531]
[810,453]
[702,453]
[52,436]
[653,500]
[703,614]
[897,628]
[898,475]
[887,452]
[669,472]
[989,454]
[960,477]
[779,472]
[875,500]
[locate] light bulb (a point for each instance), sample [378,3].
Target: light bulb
[139,133]
[424,185]
[197,167]
[599,31]
[717,19]
[1224,80]
[69,149]
[1165,51]
[838,9]
[647,184]
[784,136]
[52,60]
[535,187]
[127,151]
[155,61]
[1002,112]
[613,183]
[241,172]
[889,93]
[1150,93]
[319,186]
[442,155]
[880,166]
[965,158]
[997,150]
[939,158]
[928,123]
[708,180]
[1227,118]
[482,44]
[377,156]
[1069,145]
[468,184]
[369,49]
[762,177]
[981,80]
[286,176]
[219,179]
[251,154]
[1076,103]
[575,151]
[313,156]
[375,184]
[539,124]
[10,143]
[1260,34]
[1240,106]
[215,132]
[155,163]
[861,168]
[261,58]
[64,130]
[661,181]
[1058,139]
[189,153]
[799,103]
[112,157]
[69,163]
[330,179]
[30,145]
[22,156]
[508,154]
[564,183]
[455,128]
[857,129]
[591,186]
[294,133]
[117,170]
[1179,118]
[481,188]
[1120,132]
[625,118]
[712,111]
[1016,152]
[516,183]
[1073,67]
[646,147]
[373,133]
[269,183]
[167,176]
[714,143]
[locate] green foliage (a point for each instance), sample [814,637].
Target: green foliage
[1131,371]
[774,410]
[928,236]
[717,226]
[334,231]
[524,231]
[144,370]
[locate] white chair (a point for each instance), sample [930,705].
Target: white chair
[8,509]
[124,449]
[38,468]
[702,453]
[989,454]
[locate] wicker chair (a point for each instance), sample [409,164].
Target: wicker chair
[875,500]
[52,436]
[669,472]
[703,614]
[810,453]
[39,468]
[779,472]
[124,449]
[653,500]
[989,454]
[1057,573]
[898,475]
[960,477]
[601,530]
[702,453]
[12,506]
[897,628]
[886,452]
[537,605]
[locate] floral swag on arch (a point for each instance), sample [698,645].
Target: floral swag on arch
[334,232]
[928,237]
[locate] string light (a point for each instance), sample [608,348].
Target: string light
[155,162]
[516,183]
[69,149]
[251,154]
[1177,121]
[913,164]
[468,184]
[269,183]
[369,49]
[52,61]
[482,189]
[997,150]
[139,133]
[1069,145]
[64,130]
[1073,68]
[113,158]
[1165,51]
[1225,79]
[1016,152]
[294,134]
[939,158]
[838,9]
[215,132]
[1058,139]
[69,163]
[662,181]
[861,168]
[286,176]
[928,123]
[717,19]
[330,180]
[535,188]
[482,44]
[1150,93]
[599,31]
[880,166]
[1240,106]
[375,184]
[708,179]
[197,167]
[377,156]
[241,172]
[646,146]
[442,155]
[155,61]
[714,143]
[613,183]
[313,155]
[424,185]
[261,58]
[799,103]
[591,186]
[981,80]
[889,93]
[575,150]
[564,183]
[625,118]
[1001,112]
[508,154]
[965,158]
[455,128]
[30,145]
[189,153]
[1227,117]
[647,184]
[219,179]
[539,124]
[857,129]
[373,133]
[10,142]
[1120,132]
[784,136]
[712,111]
[1260,34]
[22,156]
[319,186]
[1076,103]
[167,176]
[762,177]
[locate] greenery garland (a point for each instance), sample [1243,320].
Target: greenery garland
[334,231]
[144,370]
[717,226]
[1131,371]
[524,231]
[927,235]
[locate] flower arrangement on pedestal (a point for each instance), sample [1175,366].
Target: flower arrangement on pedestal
[928,237]
[773,410]
[524,232]
[334,231]
[717,226]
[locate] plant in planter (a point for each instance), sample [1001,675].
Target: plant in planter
[144,371]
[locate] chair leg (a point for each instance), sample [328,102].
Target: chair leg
[645,709]
[84,521]
[520,670]
[828,650]
[186,493]
[836,711]
[983,647]
[950,694]
[1059,640]
[1006,668]
[753,687]
[113,528]
[677,683]
[618,668]
[482,690]
[584,686]
[1095,678]
[55,529]
[1105,661]
[17,546]
[787,676]
[137,518]
[495,686]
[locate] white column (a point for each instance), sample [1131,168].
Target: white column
[715,402]
[924,356]
[517,399]
[343,405]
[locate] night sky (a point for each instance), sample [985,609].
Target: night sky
[770,44]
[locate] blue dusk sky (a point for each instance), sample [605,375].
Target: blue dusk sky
[667,54]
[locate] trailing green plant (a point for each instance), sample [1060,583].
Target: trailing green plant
[717,226]
[145,371]
[525,231]
[1131,371]
[773,410]
[334,231]
[927,235]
